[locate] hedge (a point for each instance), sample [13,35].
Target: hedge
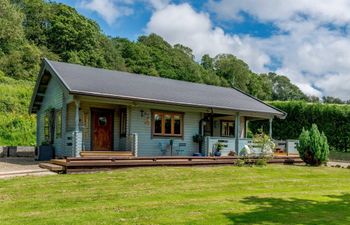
[333,120]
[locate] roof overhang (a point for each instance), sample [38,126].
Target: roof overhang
[47,71]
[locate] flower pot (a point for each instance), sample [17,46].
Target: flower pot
[217,153]
[44,153]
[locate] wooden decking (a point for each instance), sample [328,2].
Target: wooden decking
[105,153]
[93,163]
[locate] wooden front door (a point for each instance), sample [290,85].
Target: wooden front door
[102,130]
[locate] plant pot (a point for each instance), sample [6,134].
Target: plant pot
[44,153]
[217,153]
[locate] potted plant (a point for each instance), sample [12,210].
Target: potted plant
[44,152]
[218,147]
[264,144]
[197,138]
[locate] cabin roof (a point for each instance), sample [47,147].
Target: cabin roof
[85,80]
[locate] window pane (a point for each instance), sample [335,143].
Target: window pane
[227,129]
[59,124]
[167,120]
[123,122]
[177,124]
[231,129]
[46,127]
[223,129]
[157,123]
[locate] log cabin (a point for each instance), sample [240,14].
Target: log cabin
[82,110]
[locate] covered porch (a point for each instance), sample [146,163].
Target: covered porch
[230,131]
[97,127]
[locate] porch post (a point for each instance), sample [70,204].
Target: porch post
[270,127]
[77,135]
[77,106]
[38,132]
[212,123]
[246,126]
[237,132]
[64,125]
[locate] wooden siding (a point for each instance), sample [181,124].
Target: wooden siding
[53,100]
[148,146]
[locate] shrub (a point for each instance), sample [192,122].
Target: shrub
[332,119]
[313,146]
[261,162]
[239,162]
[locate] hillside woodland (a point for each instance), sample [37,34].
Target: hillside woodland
[33,29]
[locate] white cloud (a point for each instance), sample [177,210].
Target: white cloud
[158,4]
[181,24]
[313,54]
[277,10]
[109,10]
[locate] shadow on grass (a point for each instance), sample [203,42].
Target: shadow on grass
[336,210]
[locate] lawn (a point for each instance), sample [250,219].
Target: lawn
[274,194]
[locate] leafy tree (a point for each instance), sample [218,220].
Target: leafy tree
[313,98]
[11,30]
[18,58]
[207,62]
[283,89]
[313,146]
[188,51]
[332,100]
[234,70]
[260,87]
[36,20]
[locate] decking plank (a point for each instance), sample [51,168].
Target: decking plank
[85,164]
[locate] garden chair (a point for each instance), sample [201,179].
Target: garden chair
[163,148]
[181,148]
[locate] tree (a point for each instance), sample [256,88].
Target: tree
[11,30]
[18,58]
[188,51]
[36,20]
[313,146]
[283,89]
[73,37]
[313,98]
[234,70]
[332,100]
[207,62]
[260,87]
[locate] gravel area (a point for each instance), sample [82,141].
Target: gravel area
[339,164]
[20,166]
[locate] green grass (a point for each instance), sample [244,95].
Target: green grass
[339,156]
[199,195]
[17,127]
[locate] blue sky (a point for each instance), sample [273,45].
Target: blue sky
[306,40]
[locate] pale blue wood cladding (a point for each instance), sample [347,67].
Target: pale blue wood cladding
[53,99]
[151,146]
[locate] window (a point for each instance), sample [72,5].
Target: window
[168,124]
[227,129]
[123,122]
[58,128]
[47,127]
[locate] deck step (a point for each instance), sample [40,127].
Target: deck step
[52,167]
[105,153]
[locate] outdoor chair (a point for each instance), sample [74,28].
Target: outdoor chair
[163,148]
[181,148]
